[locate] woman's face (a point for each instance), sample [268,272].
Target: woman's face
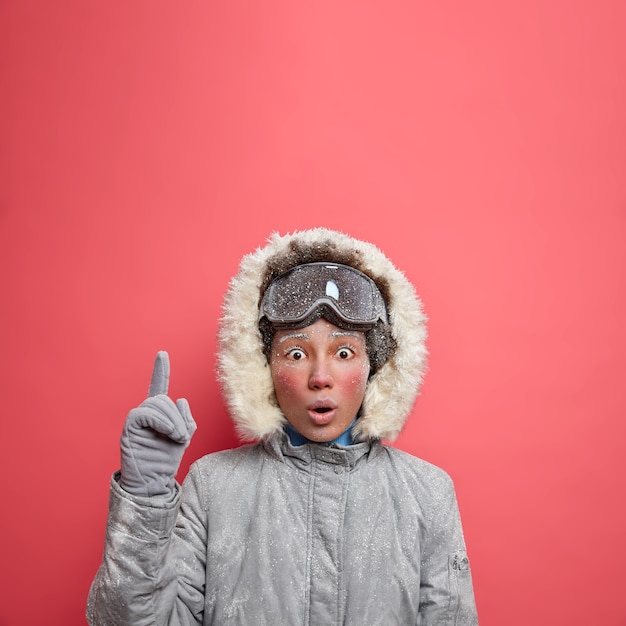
[320,373]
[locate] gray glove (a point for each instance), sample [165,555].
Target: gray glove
[155,437]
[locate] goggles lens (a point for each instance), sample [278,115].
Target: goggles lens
[294,295]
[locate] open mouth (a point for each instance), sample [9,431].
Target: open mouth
[322,412]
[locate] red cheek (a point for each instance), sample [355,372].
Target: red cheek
[285,380]
[354,384]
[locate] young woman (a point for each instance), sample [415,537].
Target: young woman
[316,522]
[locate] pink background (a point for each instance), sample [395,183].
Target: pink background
[146,146]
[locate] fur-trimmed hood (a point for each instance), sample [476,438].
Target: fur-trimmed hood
[244,372]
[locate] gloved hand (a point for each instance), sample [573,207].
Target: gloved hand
[155,437]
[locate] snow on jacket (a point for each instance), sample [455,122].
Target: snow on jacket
[311,535]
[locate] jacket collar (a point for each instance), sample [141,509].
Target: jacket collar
[280,447]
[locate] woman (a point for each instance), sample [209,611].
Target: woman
[316,522]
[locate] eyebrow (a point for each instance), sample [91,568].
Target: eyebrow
[306,337]
[344,333]
[293,336]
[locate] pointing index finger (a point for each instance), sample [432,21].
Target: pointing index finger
[160,375]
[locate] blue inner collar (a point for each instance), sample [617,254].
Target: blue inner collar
[296,439]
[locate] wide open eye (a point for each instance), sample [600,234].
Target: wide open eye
[345,353]
[296,354]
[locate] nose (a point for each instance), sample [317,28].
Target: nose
[321,376]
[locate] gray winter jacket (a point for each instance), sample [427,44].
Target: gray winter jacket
[314,535]
[270,534]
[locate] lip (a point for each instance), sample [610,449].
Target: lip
[321,419]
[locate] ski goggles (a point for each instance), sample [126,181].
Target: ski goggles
[293,296]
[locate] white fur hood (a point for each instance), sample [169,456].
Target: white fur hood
[242,366]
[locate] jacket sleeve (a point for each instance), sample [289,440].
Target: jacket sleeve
[446,591]
[153,569]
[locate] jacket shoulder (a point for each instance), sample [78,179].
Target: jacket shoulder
[225,460]
[416,470]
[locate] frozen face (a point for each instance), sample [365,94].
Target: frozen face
[319,373]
